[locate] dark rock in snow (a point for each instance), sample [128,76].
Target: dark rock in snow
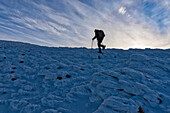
[120,89]
[21,62]
[68,76]
[42,75]
[131,94]
[12,71]
[13,67]
[59,67]
[140,110]
[59,78]
[82,69]
[122,72]
[98,57]
[160,101]
[13,79]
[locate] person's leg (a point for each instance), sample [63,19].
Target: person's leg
[103,46]
[99,46]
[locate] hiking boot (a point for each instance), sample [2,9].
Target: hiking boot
[104,47]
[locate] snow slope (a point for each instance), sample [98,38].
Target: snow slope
[35,79]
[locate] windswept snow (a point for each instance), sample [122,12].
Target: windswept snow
[35,79]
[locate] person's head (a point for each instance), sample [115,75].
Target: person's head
[95,30]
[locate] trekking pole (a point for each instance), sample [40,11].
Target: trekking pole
[91,47]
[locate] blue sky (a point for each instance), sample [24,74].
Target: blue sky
[71,23]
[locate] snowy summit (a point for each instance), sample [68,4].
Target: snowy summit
[37,79]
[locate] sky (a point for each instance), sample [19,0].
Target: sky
[71,23]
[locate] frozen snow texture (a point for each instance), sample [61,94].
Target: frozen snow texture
[35,79]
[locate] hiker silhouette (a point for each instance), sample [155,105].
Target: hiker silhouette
[99,34]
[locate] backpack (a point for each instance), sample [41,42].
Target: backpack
[101,34]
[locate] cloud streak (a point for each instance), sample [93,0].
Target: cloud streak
[127,24]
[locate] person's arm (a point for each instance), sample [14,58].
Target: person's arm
[94,37]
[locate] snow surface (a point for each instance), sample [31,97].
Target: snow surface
[35,79]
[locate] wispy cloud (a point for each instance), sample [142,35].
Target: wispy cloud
[141,23]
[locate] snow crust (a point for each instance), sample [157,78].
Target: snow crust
[36,79]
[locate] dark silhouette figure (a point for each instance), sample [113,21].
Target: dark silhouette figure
[99,34]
